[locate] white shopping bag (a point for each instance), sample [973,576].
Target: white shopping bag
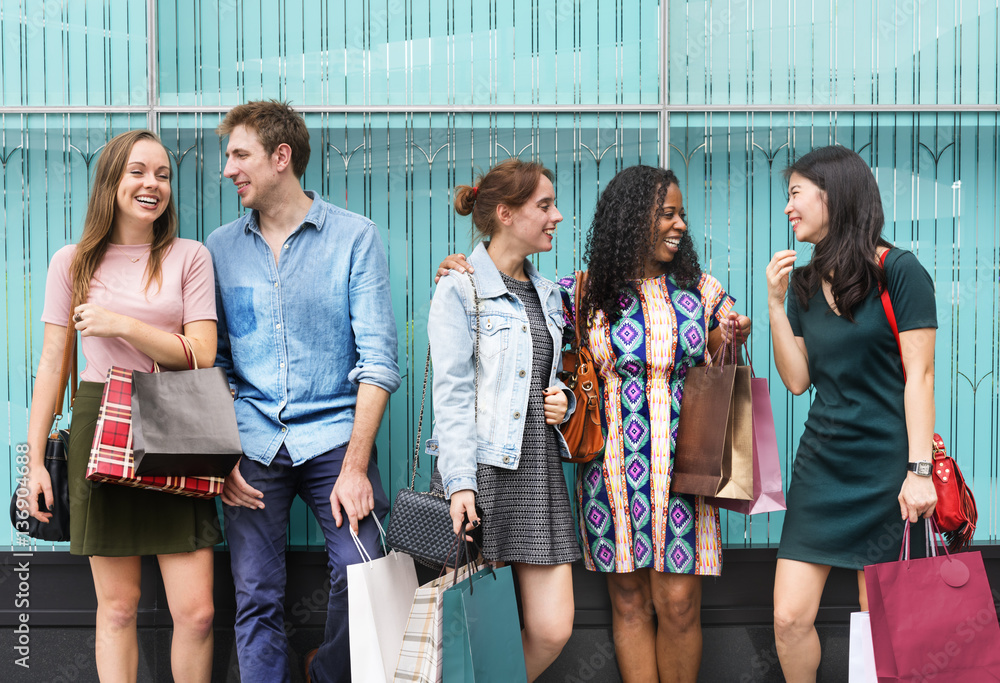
[379,597]
[861,665]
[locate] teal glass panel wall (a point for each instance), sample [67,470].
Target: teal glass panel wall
[405,99]
[853,52]
[73,53]
[409,52]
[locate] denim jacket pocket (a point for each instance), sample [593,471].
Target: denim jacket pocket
[494,334]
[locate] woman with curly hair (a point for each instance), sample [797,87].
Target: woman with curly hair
[650,314]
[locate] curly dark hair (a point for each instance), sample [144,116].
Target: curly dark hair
[855,214]
[621,239]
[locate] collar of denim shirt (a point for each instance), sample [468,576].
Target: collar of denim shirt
[490,285]
[316,216]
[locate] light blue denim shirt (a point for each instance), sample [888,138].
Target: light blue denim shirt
[462,437]
[297,337]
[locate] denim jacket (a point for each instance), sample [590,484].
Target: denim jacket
[463,439]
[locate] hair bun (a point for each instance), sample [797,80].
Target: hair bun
[465,199]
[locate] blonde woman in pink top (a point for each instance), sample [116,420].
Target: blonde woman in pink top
[131,285]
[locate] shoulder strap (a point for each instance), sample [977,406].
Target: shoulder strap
[581,282]
[890,314]
[68,359]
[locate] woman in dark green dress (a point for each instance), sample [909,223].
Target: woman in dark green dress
[852,486]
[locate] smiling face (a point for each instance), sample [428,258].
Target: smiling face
[533,224]
[250,167]
[668,228]
[807,210]
[144,190]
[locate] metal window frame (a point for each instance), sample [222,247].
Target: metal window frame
[153,111]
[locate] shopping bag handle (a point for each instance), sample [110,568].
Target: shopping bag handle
[933,538]
[361,548]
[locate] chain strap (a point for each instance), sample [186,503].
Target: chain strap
[423,393]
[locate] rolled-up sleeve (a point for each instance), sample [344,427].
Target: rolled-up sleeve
[452,354]
[371,314]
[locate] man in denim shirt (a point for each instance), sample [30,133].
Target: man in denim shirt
[307,336]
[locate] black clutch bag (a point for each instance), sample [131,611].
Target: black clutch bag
[57,528]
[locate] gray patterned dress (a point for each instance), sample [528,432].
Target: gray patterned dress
[526,511]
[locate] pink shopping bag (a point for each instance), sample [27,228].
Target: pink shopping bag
[767,493]
[933,619]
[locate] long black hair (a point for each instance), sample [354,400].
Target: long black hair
[621,239]
[846,255]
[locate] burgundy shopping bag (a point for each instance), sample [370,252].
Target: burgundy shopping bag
[933,619]
[767,493]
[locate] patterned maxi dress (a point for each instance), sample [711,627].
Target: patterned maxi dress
[629,519]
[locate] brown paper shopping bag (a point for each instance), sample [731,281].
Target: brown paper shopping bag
[714,453]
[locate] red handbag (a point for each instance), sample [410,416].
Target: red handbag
[956,513]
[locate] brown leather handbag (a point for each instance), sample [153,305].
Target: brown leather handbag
[582,430]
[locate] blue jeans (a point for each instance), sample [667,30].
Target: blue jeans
[257,549]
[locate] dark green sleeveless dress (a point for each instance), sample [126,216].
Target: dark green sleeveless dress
[851,461]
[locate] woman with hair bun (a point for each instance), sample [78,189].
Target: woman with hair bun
[495,434]
[650,314]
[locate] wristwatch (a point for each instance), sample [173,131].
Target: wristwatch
[921,467]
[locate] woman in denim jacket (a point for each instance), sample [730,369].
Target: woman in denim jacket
[495,431]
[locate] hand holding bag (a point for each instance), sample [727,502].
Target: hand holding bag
[184,422]
[379,596]
[955,514]
[714,452]
[56,530]
[933,618]
[582,430]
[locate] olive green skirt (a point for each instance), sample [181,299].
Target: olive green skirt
[120,521]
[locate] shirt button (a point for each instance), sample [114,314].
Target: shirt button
[281,365]
[517,415]
[521,374]
[278,326]
[284,429]
[286,246]
[275,284]
[506,459]
[524,328]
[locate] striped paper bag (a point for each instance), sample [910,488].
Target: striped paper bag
[111,458]
[421,656]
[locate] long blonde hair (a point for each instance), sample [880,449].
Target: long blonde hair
[97,227]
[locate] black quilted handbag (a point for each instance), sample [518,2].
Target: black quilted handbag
[420,521]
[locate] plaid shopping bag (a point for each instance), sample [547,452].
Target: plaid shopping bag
[111,458]
[420,657]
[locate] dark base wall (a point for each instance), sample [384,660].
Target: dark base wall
[736,616]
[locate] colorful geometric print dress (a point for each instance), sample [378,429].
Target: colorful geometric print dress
[629,518]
